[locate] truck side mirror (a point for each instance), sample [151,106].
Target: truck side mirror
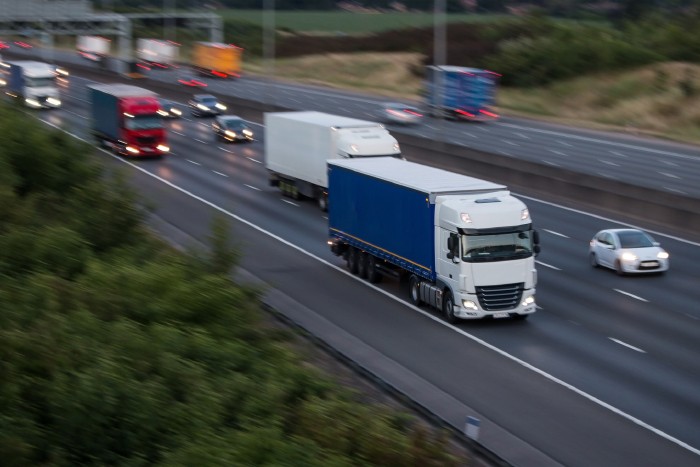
[536,249]
[535,237]
[451,243]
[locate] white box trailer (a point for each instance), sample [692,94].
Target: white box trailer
[157,52]
[299,144]
[94,48]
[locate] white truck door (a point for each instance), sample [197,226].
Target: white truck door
[448,268]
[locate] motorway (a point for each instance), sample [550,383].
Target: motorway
[605,373]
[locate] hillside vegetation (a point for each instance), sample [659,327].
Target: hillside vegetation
[117,350]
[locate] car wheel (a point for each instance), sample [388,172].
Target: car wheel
[618,268]
[594,260]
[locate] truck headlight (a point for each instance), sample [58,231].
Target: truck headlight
[528,301]
[132,149]
[469,305]
[53,101]
[32,102]
[163,148]
[162,113]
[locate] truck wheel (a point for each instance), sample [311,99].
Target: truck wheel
[363,264]
[323,201]
[414,290]
[448,307]
[353,255]
[373,274]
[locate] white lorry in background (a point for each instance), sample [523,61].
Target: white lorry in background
[465,246]
[156,52]
[33,82]
[93,48]
[299,144]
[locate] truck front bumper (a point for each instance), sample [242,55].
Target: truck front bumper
[468,307]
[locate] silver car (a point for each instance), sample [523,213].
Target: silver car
[396,112]
[627,251]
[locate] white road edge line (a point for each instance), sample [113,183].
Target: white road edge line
[637,297]
[293,204]
[547,265]
[556,233]
[254,160]
[626,345]
[427,315]
[252,187]
[219,173]
[193,162]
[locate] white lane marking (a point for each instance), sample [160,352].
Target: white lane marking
[606,175]
[254,160]
[75,113]
[200,141]
[547,265]
[602,141]
[510,142]
[290,202]
[424,313]
[675,190]
[607,219]
[672,164]
[609,163]
[219,173]
[225,150]
[252,187]
[637,297]
[627,345]
[193,162]
[618,153]
[565,143]
[177,133]
[469,134]
[691,316]
[556,233]
[506,153]
[522,135]
[553,164]
[670,175]
[559,153]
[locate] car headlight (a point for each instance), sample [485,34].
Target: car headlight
[247,132]
[220,106]
[627,256]
[32,102]
[469,305]
[53,101]
[202,107]
[230,133]
[662,255]
[176,111]
[162,113]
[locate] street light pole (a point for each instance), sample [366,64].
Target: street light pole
[269,46]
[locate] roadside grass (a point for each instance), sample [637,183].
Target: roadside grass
[661,100]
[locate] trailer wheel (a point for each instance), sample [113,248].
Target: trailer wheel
[448,307]
[414,290]
[363,264]
[353,255]
[373,274]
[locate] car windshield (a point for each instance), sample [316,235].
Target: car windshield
[235,124]
[143,122]
[497,247]
[208,100]
[634,239]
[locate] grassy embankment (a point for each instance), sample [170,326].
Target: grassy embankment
[647,100]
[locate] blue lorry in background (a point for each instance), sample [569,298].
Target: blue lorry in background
[460,92]
[466,246]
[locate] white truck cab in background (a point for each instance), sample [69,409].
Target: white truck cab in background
[33,82]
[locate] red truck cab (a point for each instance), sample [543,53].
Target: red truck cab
[125,118]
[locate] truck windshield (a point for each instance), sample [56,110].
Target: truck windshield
[40,82]
[144,122]
[497,247]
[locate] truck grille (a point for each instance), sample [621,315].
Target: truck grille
[146,140]
[500,297]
